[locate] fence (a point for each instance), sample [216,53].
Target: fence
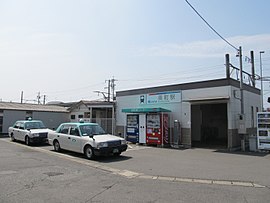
[108,124]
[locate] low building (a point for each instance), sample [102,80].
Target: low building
[100,112]
[203,113]
[51,115]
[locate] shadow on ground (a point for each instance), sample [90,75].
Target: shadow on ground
[101,159]
[246,153]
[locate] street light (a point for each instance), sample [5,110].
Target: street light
[261,52]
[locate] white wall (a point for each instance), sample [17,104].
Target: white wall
[181,111]
[78,111]
[133,101]
[250,99]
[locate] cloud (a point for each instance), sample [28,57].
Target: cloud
[207,49]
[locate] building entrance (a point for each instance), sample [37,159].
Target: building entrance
[209,125]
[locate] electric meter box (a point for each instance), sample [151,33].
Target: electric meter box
[242,124]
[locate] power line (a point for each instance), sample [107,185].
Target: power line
[211,26]
[183,73]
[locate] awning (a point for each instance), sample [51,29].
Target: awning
[145,110]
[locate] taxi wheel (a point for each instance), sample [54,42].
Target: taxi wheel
[27,141]
[117,154]
[88,152]
[56,146]
[12,138]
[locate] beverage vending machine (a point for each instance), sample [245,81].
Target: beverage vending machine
[132,131]
[157,129]
[136,130]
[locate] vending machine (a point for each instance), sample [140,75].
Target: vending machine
[157,129]
[142,128]
[132,129]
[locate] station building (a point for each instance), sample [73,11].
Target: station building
[203,114]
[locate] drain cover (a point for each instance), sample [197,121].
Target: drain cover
[53,174]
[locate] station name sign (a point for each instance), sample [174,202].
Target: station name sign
[161,97]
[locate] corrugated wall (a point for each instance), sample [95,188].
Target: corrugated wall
[10,117]
[51,119]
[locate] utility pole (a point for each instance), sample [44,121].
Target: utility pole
[241,121]
[261,52]
[21,97]
[44,99]
[113,107]
[227,63]
[252,68]
[113,88]
[241,80]
[38,98]
[109,90]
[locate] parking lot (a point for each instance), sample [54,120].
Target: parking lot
[182,175]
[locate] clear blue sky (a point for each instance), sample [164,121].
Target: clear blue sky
[66,49]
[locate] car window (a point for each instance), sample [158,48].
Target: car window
[87,130]
[74,131]
[34,125]
[16,125]
[21,126]
[64,129]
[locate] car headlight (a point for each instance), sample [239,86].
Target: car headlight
[102,144]
[123,142]
[35,135]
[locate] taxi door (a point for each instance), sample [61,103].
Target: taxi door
[16,131]
[62,136]
[21,132]
[74,142]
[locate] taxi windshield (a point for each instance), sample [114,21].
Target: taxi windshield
[88,130]
[34,125]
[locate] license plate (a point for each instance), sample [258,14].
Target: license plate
[115,150]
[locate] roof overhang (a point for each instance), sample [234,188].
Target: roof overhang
[208,100]
[145,110]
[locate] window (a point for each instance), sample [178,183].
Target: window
[16,125]
[64,129]
[86,114]
[72,117]
[21,126]
[80,116]
[74,131]
[34,125]
[87,130]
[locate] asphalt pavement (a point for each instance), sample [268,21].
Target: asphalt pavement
[141,174]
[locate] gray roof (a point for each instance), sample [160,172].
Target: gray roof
[32,107]
[188,86]
[91,103]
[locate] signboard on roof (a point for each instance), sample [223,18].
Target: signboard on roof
[161,98]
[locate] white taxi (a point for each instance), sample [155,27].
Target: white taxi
[29,131]
[87,138]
